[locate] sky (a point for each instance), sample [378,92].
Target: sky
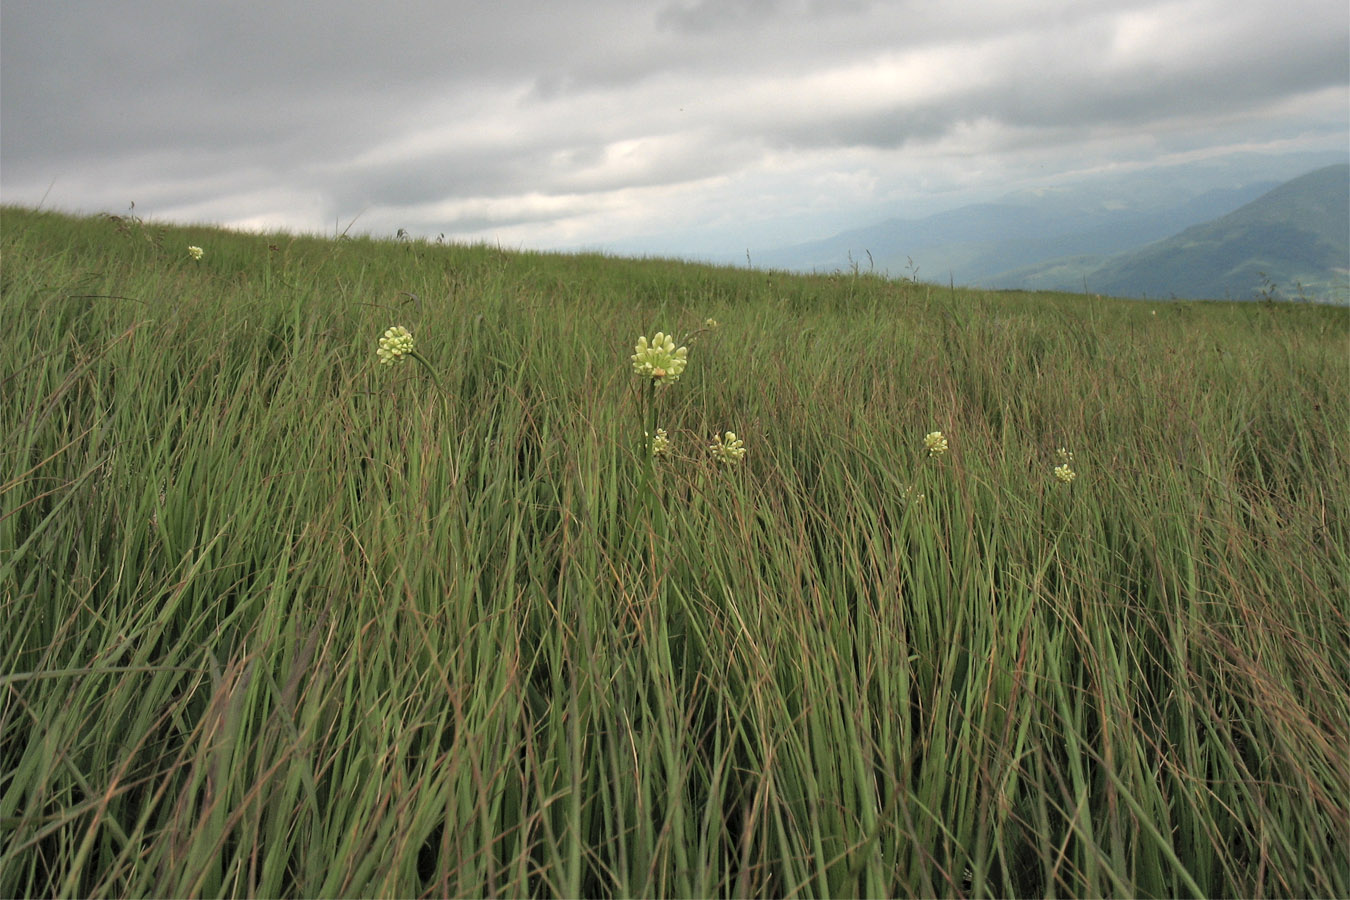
[674,127]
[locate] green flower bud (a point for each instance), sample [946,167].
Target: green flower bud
[661,443]
[396,344]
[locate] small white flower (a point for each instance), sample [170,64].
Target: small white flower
[195,252]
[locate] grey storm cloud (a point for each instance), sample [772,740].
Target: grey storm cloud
[464,115]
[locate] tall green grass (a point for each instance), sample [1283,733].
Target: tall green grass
[280,621]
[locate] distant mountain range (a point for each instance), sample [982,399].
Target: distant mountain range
[1256,239]
[1291,241]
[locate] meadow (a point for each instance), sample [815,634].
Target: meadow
[280,620]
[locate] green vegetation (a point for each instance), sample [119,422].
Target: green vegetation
[1291,243]
[280,620]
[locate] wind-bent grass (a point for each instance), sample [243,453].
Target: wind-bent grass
[281,621]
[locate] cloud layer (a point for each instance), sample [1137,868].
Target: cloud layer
[604,122]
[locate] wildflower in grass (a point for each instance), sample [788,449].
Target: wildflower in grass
[1064,456]
[1064,473]
[935,443]
[912,497]
[659,360]
[195,252]
[711,324]
[727,448]
[395,346]
[661,443]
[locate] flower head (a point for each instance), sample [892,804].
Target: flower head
[711,324]
[1064,473]
[727,448]
[935,443]
[195,252]
[659,360]
[1064,456]
[660,443]
[396,344]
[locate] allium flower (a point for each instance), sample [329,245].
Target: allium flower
[935,443]
[1064,473]
[1064,456]
[727,448]
[661,443]
[660,361]
[195,252]
[396,344]
[711,323]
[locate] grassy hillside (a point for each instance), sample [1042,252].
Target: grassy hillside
[1297,237]
[1291,243]
[280,620]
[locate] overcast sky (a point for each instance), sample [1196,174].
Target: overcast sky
[677,125]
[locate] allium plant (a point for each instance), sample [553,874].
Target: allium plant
[396,345]
[727,448]
[660,360]
[658,363]
[660,443]
[1064,471]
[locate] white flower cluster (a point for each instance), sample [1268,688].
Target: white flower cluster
[727,448]
[396,344]
[660,360]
